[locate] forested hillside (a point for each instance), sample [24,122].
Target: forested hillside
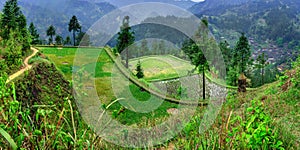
[58,13]
[260,19]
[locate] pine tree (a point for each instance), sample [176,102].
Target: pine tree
[34,34]
[241,54]
[10,17]
[195,51]
[75,27]
[125,38]
[13,20]
[139,70]
[262,62]
[51,33]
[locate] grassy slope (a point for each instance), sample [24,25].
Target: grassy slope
[281,105]
[103,79]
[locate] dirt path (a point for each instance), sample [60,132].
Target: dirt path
[27,66]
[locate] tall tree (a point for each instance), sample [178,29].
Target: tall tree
[75,27]
[262,62]
[241,54]
[34,34]
[196,50]
[51,32]
[13,20]
[125,38]
[10,17]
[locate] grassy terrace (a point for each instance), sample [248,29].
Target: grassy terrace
[161,67]
[63,59]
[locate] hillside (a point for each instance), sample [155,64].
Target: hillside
[40,102]
[273,27]
[58,14]
[259,19]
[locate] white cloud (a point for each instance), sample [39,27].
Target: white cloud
[197,0]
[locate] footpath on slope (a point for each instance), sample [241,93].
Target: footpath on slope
[27,66]
[127,74]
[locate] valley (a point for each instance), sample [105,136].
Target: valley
[227,77]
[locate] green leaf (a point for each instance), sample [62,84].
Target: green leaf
[8,138]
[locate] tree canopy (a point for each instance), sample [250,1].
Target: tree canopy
[125,38]
[75,27]
[195,50]
[242,54]
[34,34]
[51,32]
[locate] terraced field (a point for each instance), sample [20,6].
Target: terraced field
[104,76]
[162,67]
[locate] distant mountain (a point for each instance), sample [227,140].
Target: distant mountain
[185,4]
[215,5]
[59,12]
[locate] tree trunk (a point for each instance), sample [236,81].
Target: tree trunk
[127,59]
[262,75]
[203,80]
[74,37]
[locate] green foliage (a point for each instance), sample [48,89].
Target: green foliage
[232,76]
[255,131]
[198,50]
[14,22]
[226,52]
[51,32]
[75,27]
[282,80]
[41,119]
[83,39]
[262,60]
[13,55]
[12,18]
[182,92]
[296,77]
[241,54]
[139,71]
[68,41]
[34,34]
[58,40]
[125,36]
